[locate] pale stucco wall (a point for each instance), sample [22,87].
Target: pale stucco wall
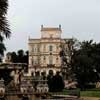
[39,48]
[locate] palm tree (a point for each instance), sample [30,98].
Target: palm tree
[4,26]
[2,49]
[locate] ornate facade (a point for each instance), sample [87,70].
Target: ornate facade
[44,52]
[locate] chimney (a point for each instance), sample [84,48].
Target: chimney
[41,27]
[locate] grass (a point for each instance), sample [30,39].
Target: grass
[74,92]
[86,93]
[91,93]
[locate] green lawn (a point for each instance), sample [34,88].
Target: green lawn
[75,92]
[87,93]
[90,93]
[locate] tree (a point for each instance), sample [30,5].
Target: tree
[86,63]
[25,58]
[19,57]
[66,55]
[2,49]
[14,57]
[55,82]
[4,26]
[50,80]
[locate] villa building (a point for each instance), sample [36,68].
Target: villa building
[44,51]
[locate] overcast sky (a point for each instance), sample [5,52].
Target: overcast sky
[78,18]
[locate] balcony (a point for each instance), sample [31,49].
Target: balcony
[50,65]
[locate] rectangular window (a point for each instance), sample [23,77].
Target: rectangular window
[38,49]
[44,48]
[33,49]
[32,62]
[44,58]
[50,48]
[50,61]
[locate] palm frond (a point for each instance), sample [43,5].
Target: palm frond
[2,48]
[3,7]
[4,27]
[1,38]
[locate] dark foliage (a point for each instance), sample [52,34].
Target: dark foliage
[55,83]
[19,57]
[86,63]
[5,74]
[4,26]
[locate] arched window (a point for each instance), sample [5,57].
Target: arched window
[50,48]
[32,73]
